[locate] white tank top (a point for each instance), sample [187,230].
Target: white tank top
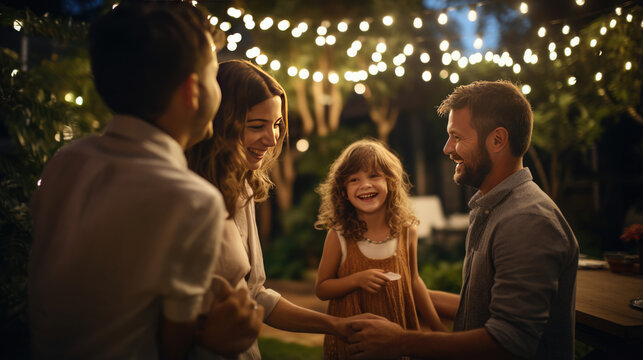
[370,250]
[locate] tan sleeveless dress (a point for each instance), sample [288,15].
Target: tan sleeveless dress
[393,301]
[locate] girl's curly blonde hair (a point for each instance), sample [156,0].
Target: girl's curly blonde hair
[336,212]
[221,159]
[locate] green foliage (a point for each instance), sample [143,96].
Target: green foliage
[444,276]
[273,349]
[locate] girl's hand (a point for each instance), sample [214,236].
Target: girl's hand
[370,280]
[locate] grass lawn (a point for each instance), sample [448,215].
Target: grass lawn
[273,349]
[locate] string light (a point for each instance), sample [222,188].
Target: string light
[321,30]
[629,18]
[302,145]
[14,72]
[444,74]
[567,51]
[516,68]
[603,30]
[333,77]
[69,97]
[364,26]
[381,66]
[225,26]
[454,78]
[376,57]
[488,56]
[342,26]
[542,31]
[477,43]
[553,55]
[266,23]
[283,25]
[463,62]
[360,88]
[472,15]
[524,8]
[426,75]
[302,26]
[612,23]
[214,20]
[399,71]
[417,23]
[628,65]
[580,2]
[526,89]
[318,76]
[446,58]
[443,18]
[598,76]
[425,57]
[303,74]
[296,32]
[275,65]
[408,49]
[262,59]
[381,47]
[571,80]
[253,52]
[552,46]
[455,55]
[387,20]
[444,45]
[331,39]
[235,13]
[593,42]
[292,71]
[320,41]
[565,29]
[618,11]
[231,46]
[372,69]
[79,100]
[574,41]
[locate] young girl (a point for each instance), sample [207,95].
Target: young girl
[369,262]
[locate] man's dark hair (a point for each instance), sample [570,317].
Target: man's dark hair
[141,52]
[494,104]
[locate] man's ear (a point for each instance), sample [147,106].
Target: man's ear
[498,139]
[189,91]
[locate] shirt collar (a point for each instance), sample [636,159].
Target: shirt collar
[149,136]
[500,191]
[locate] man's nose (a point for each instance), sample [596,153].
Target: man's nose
[448,147]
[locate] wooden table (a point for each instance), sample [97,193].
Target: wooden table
[604,317]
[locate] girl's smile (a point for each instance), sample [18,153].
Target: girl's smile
[367,191]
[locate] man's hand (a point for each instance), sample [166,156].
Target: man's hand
[342,326]
[375,338]
[233,323]
[370,280]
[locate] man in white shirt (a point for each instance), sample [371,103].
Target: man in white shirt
[125,234]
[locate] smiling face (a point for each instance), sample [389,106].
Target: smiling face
[473,163]
[262,130]
[367,191]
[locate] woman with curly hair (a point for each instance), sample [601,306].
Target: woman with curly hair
[369,262]
[249,131]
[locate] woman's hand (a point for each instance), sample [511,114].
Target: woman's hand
[370,280]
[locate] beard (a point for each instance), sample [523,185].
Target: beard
[476,172]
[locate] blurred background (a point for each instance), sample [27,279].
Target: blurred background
[355,69]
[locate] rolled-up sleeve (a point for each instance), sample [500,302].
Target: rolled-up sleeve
[528,253]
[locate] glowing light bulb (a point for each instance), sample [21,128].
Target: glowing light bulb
[426,75]
[455,55]
[526,89]
[603,30]
[472,15]
[446,58]
[214,21]
[69,97]
[567,51]
[320,41]
[488,56]
[443,18]
[342,26]
[628,65]
[253,52]
[387,20]
[364,26]
[14,72]
[376,57]
[552,46]
[417,23]
[444,45]
[381,66]
[262,59]
[618,11]
[283,25]
[408,49]
[542,31]
[629,17]
[463,62]
[598,76]
[331,39]
[303,27]
[444,74]
[524,8]
[381,47]
[359,88]
[477,43]
[574,41]
[318,76]
[296,32]
[275,65]
[225,26]
[372,69]
[580,2]
[348,76]
[79,100]
[292,71]
[553,56]
[266,23]
[235,13]
[612,23]
[565,29]
[425,58]
[302,145]
[231,46]
[351,52]
[321,30]
[454,78]
[571,80]
[333,77]
[303,74]
[516,68]
[593,42]
[399,71]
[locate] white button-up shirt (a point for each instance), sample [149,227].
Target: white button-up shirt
[124,233]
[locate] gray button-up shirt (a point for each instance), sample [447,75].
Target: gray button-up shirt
[519,272]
